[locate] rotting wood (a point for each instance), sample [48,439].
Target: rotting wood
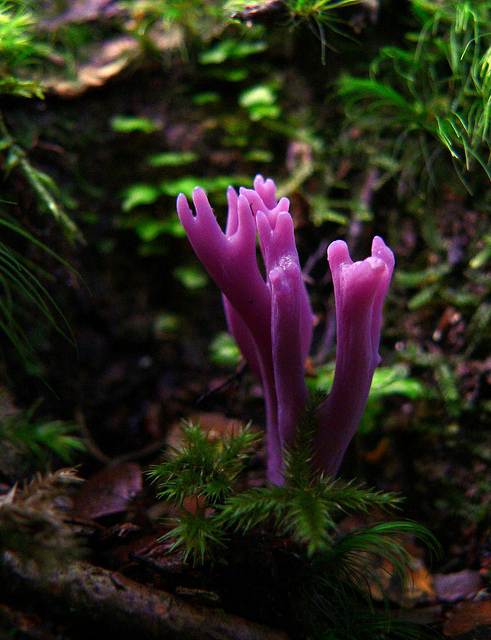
[106,604]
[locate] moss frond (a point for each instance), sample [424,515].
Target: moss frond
[335,570]
[203,465]
[435,93]
[32,521]
[351,556]
[36,442]
[308,514]
[197,535]
[203,468]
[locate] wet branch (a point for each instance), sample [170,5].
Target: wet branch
[104,603]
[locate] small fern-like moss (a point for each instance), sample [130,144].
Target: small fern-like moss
[327,583]
[36,441]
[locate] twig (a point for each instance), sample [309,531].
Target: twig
[92,446]
[223,385]
[94,449]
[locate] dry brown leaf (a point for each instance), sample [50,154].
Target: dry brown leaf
[106,61]
[110,491]
[457,586]
[375,455]
[467,616]
[418,588]
[84,11]
[420,585]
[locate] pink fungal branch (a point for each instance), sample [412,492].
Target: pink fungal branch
[271,320]
[359,292]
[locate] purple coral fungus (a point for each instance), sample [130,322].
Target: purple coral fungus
[272,320]
[359,292]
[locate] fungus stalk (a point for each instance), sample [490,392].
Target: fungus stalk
[359,292]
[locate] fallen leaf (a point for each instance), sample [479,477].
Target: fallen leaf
[375,455]
[420,587]
[112,490]
[457,586]
[106,61]
[467,616]
[84,11]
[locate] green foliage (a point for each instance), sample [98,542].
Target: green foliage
[444,373]
[231,49]
[192,278]
[451,298]
[204,468]
[329,602]
[386,381]
[201,18]
[172,159]
[320,11]
[236,97]
[210,185]
[308,514]
[21,288]
[261,102]
[43,186]
[19,50]
[204,465]
[130,124]
[433,95]
[139,198]
[37,441]
[320,14]
[139,194]
[224,350]
[335,569]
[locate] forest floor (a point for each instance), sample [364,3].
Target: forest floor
[143,317]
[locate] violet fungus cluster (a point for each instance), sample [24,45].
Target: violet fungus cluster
[272,320]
